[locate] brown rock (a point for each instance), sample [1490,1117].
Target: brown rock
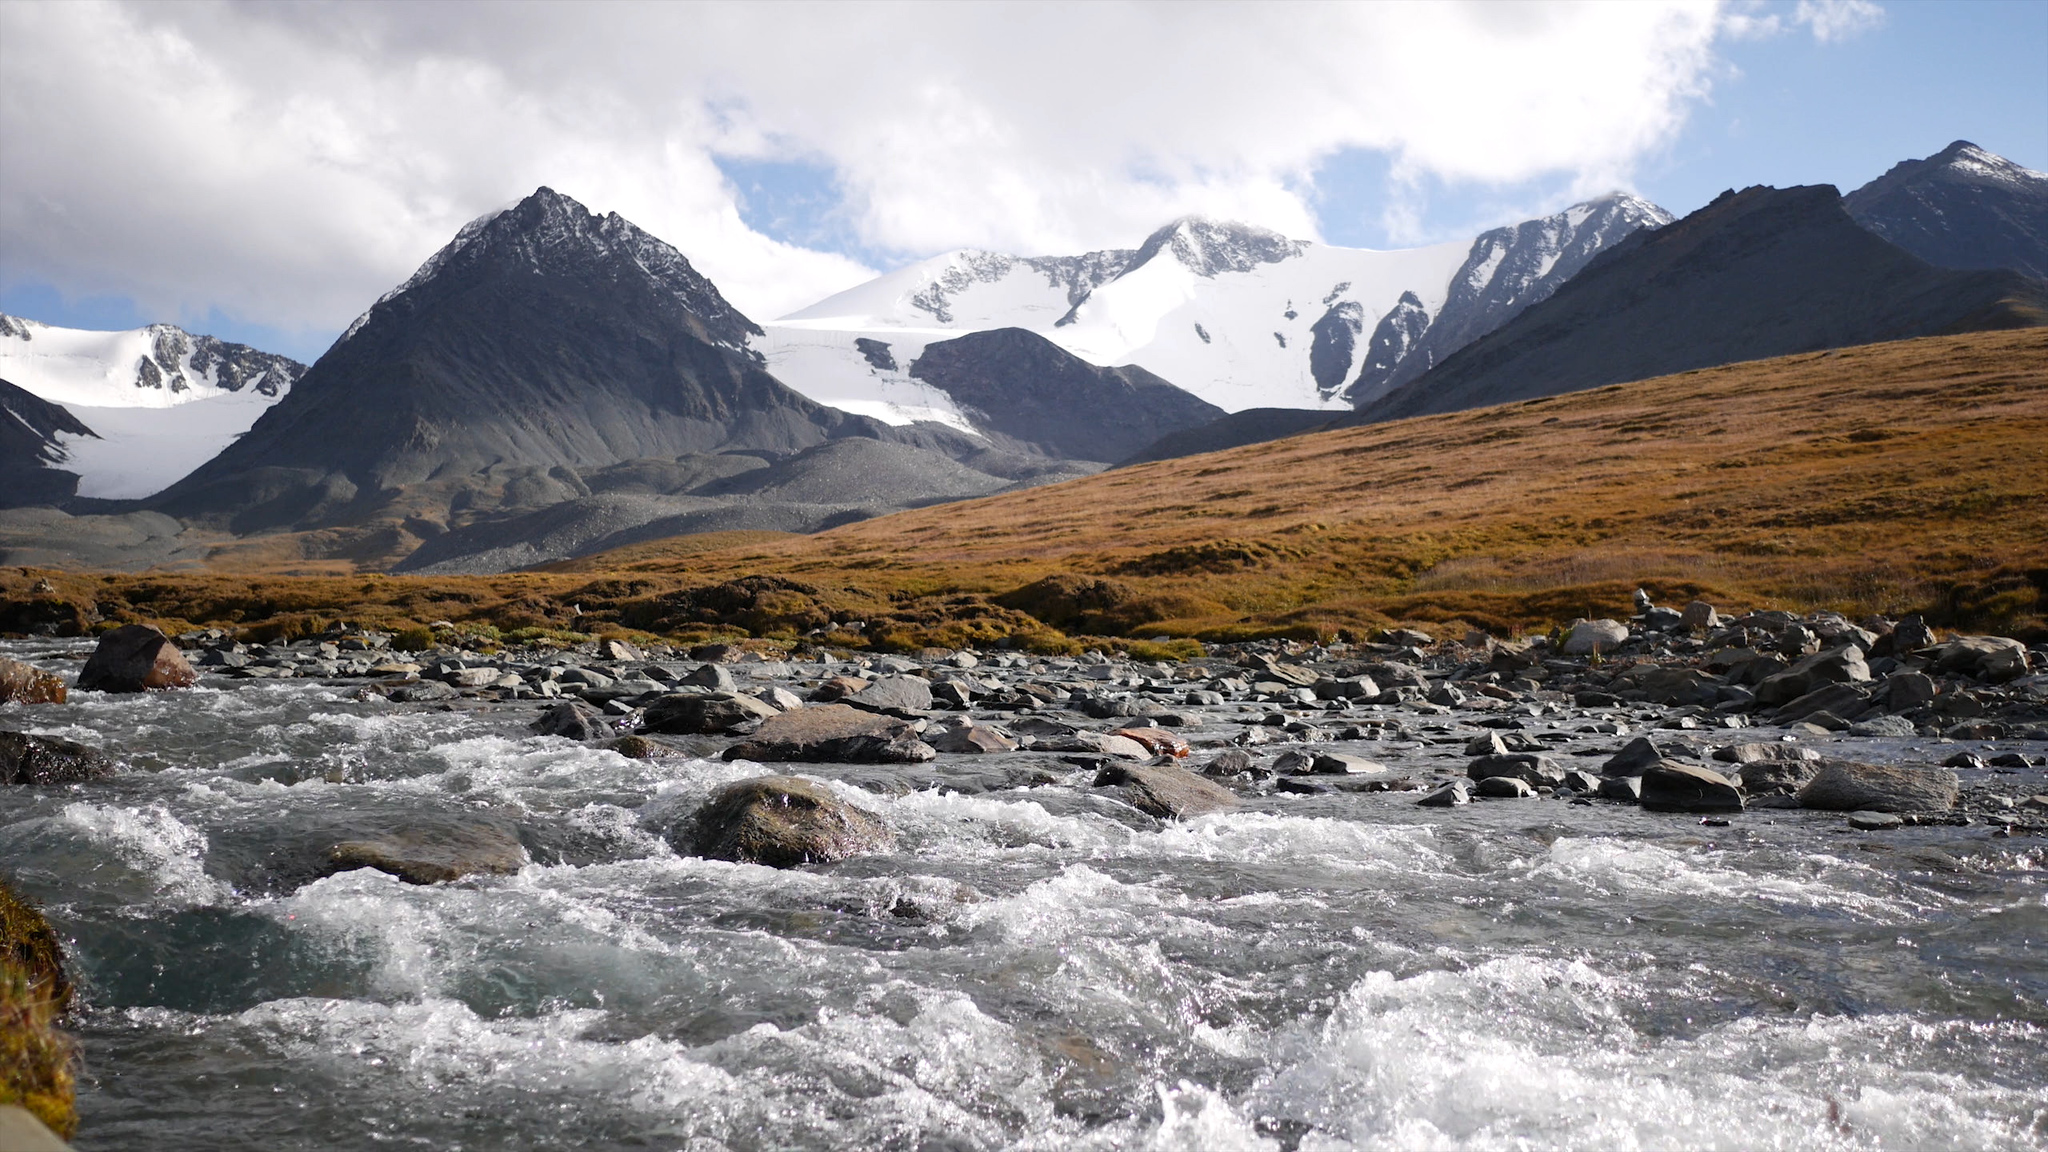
[27,684]
[1165,791]
[780,821]
[685,715]
[26,759]
[972,739]
[1669,786]
[835,733]
[1157,741]
[434,853]
[135,658]
[1846,786]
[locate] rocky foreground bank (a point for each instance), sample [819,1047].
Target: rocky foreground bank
[1882,723]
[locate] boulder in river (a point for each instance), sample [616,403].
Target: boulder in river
[1591,637]
[1531,768]
[894,694]
[434,853]
[26,759]
[1669,786]
[27,684]
[135,658]
[973,739]
[1505,788]
[1843,665]
[573,719]
[1997,658]
[1166,791]
[1846,786]
[780,821]
[706,713]
[1638,755]
[834,733]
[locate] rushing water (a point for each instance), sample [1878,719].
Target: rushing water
[1027,970]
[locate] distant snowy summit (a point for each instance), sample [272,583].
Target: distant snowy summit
[1962,207]
[150,404]
[1241,316]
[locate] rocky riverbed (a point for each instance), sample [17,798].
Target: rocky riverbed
[1677,880]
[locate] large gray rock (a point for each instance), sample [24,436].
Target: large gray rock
[971,739]
[1638,754]
[894,694]
[1589,637]
[712,712]
[1700,616]
[1996,658]
[835,733]
[1844,700]
[1846,786]
[1528,767]
[434,853]
[1165,791]
[780,821]
[1843,665]
[135,658]
[1669,786]
[27,684]
[26,759]
[1908,690]
[574,720]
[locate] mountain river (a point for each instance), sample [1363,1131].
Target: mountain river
[1028,969]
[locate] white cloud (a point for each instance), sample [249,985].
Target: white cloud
[1833,20]
[288,163]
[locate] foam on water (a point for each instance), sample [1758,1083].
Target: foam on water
[156,847]
[1620,867]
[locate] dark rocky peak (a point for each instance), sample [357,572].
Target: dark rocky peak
[552,236]
[1207,247]
[1962,207]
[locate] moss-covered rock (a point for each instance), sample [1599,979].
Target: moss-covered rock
[38,1063]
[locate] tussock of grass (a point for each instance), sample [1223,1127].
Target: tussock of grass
[38,1063]
[1910,476]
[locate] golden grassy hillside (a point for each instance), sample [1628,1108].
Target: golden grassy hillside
[1893,477]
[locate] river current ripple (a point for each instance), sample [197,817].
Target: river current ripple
[1024,971]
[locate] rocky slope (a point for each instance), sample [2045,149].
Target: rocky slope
[1764,272]
[1962,207]
[34,439]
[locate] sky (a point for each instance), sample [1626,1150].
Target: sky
[263,172]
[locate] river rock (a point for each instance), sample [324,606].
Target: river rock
[1505,788]
[1446,796]
[835,733]
[1637,755]
[1098,743]
[1529,767]
[1166,791]
[972,739]
[1841,701]
[1669,786]
[619,650]
[709,713]
[27,684]
[26,759]
[573,719]
[1874,821]
[1157,741]
[711,676]
[1846,786]
[1762,776]
[1700,616]
[1843,665]
[434,853]
[1231,762]
[1344,764]
[1908,690]
[895,695]
[135,658]
[426,691]
[781,821]
[1626,788]
[1590,637]
[1996,658]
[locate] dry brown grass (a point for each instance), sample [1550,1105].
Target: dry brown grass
[1893,477]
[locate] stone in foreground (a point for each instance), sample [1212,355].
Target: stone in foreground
[834,733]
[1669,786]
[1846,786]
[135,658]
[434,854]
[27,684]
[1165,791]
[782,822]
[26,759]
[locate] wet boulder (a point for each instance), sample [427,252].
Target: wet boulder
[1846,786]
[26,759]
[972,739]
[135,658]
[1532,768]
[835,733]
[1505,788]
[572,719]
[1446,796]
[433,853]
[1638,755]
[1097,743]
[782,822]
[1995,658]
[1843,701]
[27,684]
[1157,741]
[895,695]
[704,714]
[1165,791]
[1843,665]
[1668,786]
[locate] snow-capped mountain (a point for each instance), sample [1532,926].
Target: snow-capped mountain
[1962,207]
[160,400]
[1238,315]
